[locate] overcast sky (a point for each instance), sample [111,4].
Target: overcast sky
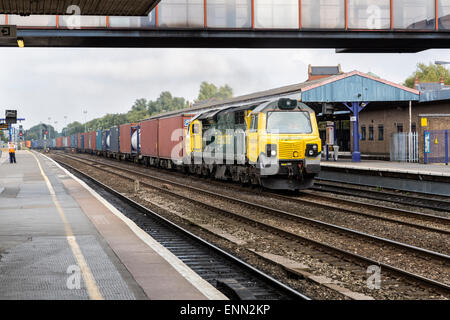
[42,83]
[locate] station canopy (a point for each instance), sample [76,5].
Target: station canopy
[348,87]
[88,7]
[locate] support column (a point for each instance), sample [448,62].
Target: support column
[356,155]
[10,132]
[356,108]
[446,147]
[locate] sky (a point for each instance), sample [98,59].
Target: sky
[58,82]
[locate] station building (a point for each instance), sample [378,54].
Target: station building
[431,113]
[375,107]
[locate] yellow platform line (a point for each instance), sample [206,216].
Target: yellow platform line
[88,277]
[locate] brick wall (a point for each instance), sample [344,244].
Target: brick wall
[390,116]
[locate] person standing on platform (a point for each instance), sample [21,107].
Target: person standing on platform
[12,153]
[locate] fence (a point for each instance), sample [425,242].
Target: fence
[436,146]
[404,147]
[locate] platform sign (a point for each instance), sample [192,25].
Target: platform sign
[11,116]
[427,142]
[330,133]
[424,122]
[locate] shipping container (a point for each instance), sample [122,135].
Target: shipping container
[83,140]
[171,132]
[114,140]
[66,142]
[149,138]
[106,140]
[136,139]
[92,140]
[74,141]
[98,140]
[125,138]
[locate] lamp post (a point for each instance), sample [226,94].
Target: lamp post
[85,119]
[49,131]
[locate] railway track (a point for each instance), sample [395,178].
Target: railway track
[419,220]
[339,231]
[381,212]
[421,201]
[228,273]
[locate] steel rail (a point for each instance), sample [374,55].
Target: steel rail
[258,273]
[389,210]
[346,189]
[289,234]
[276,211]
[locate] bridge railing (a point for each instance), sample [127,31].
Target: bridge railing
[338,15]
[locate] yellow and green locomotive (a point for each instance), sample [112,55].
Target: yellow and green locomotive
[274,144]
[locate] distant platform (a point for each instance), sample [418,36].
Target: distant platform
[391,166]
[414,177]
[60,240]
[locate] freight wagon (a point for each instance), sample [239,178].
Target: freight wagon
[113,143]
[98,141]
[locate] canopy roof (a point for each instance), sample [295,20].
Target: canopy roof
[88,7]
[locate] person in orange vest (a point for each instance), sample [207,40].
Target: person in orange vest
[12,153]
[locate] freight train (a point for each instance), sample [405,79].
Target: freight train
[274,144]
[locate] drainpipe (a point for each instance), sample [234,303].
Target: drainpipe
[410,124]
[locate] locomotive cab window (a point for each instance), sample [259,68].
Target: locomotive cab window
[288,122]
[196,128]
[254,123]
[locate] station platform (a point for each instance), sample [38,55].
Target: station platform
[60,240]
[414,177]
[391,166]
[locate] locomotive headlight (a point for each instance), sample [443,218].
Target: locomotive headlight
[312,150]
[271,150]
[295,154]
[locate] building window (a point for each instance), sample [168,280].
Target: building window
[399,128]
[363,132]
[239,117]
[413,127]
[276,14]
[369,14]
[414,14]
[444,14]
[133,22]
[323,14]
[370,132]
[181,13]
[380,132]
[229,14]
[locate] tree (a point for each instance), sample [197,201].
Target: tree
[210,91]
[165,103]
[73,128]
[3,137]
[428,73]
[35,132]
[143,109]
